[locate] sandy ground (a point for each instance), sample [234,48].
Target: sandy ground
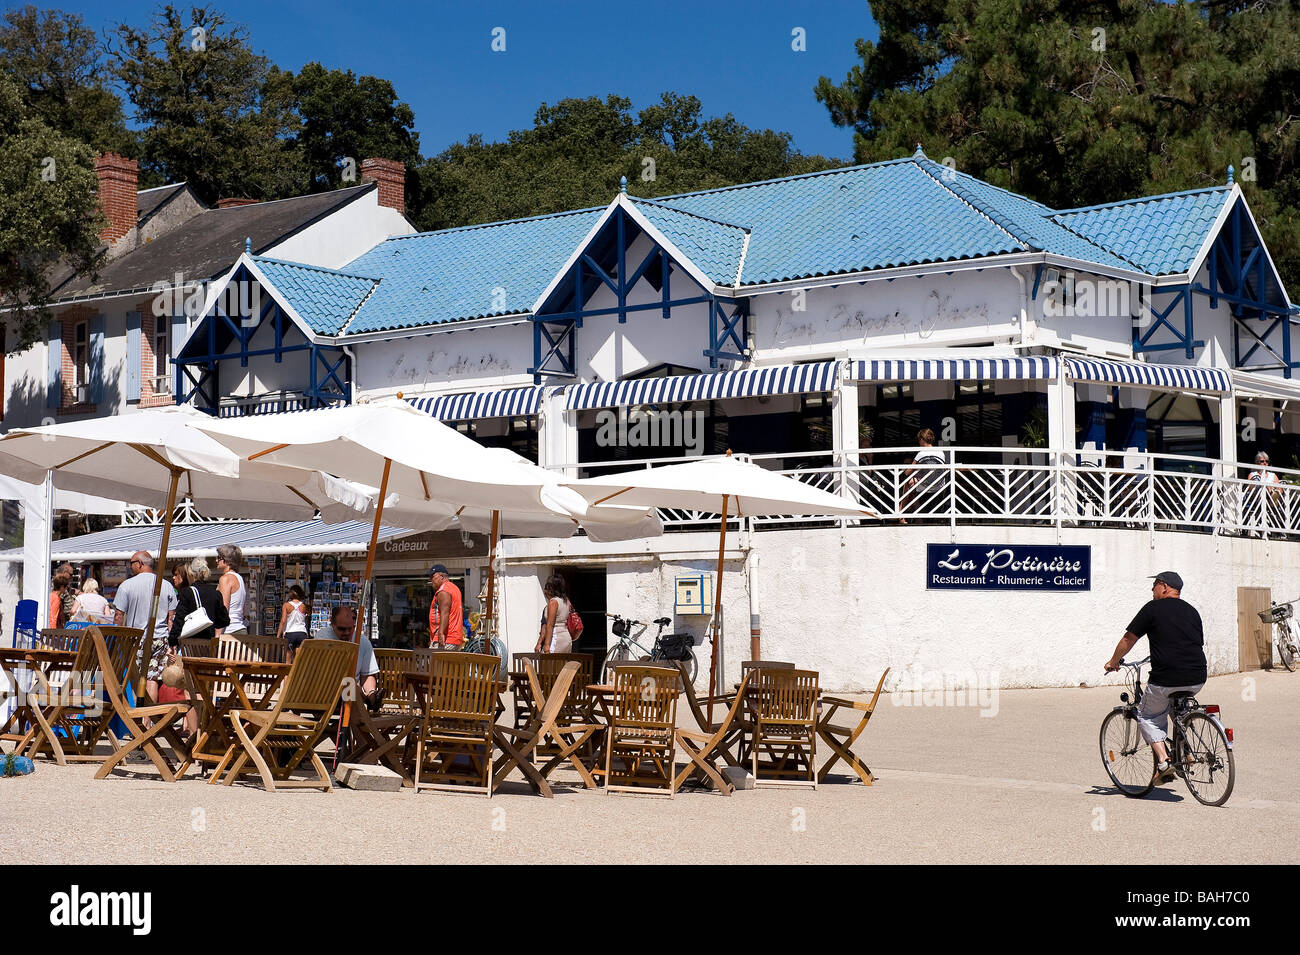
[1024,785]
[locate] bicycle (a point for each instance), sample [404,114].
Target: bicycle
[1280,616]
[1200,748]
[677,647]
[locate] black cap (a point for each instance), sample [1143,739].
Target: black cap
[1169,578]
[438,569]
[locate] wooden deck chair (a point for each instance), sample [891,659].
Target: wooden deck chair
[278,739]
[162,715]
[519,745]
[640,745]
[454,749]
[841,738]
[704,749]
[376,737]
[71,721]
[785,727]
[727,746]
[576,710]
[744,724]
[17,678]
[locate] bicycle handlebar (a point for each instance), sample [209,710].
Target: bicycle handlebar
[1136,663]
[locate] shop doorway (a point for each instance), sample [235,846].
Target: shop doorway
[587,593]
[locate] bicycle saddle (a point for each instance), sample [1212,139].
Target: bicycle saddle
[663,621]
[1181,695]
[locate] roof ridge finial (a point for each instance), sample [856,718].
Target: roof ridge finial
[622,184]
[248,245]
[1230,172]
[920,153]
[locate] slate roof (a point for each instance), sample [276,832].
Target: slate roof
[204,246]
[149,201]
[902,212]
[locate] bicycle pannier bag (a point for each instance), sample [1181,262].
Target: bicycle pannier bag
[676,646]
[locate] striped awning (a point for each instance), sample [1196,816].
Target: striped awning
[950,369]
[483,404]
[751,382]
[1142,374]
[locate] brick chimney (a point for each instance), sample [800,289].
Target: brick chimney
[118,180]
[391,176]
[232,203]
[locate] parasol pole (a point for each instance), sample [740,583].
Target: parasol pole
[159,569]
[717,610]
[490,608]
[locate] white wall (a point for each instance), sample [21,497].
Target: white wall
[343,236]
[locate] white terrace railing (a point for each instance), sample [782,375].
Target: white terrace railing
[1026,486]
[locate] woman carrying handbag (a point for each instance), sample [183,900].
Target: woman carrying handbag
[200,612]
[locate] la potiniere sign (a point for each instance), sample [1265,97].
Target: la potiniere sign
[1007,567]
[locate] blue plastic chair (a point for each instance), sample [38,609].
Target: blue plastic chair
[26,624]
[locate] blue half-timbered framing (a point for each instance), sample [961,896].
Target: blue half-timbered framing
[198,366]
[604,264]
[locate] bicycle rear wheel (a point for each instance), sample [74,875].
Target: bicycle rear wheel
[619,653]
[1206,761]
[1286,644]
[1129,761]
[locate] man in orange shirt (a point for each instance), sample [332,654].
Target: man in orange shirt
[446,612]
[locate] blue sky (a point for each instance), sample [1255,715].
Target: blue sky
[735,56]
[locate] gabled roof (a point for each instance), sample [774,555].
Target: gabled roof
[149,201]
[325,298]
[1162,235]
[204,246]
[904,212]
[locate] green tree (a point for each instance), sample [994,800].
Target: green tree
[578,149]
[57,63]
[338,116]
[197,89]
[49,215]
[1076,103]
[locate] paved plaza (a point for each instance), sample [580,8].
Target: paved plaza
[1025,785]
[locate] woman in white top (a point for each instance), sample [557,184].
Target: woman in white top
[231,586]
[293,620]
[554,636]
[91,603]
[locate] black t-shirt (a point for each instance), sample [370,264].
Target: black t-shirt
[1173,628]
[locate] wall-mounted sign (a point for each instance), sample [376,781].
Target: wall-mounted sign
[1007,567]
[694,593]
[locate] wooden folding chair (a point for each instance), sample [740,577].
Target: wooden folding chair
[576,710]
[733,723]
[744,724]
[519,745]
[640,746]
[71,719]
[841,738]
[246,648]
[198,646]
[18,677]
[454,749]
[376,737]
[163,715]
[285,735]
[704,749]
[785,727]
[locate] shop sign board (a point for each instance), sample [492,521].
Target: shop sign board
[1008,567]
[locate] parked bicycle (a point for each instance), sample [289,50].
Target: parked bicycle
[674,646]
[1280,615]
[1200,748]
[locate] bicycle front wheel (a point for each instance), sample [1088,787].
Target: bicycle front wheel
[1129,761]
[1286,644]
[1206,761]
[619,653]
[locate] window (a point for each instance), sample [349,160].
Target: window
[80,358]
[161,349]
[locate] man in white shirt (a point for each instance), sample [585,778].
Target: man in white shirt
[343,622]
[131,609]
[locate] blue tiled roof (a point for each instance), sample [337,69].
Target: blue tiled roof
[1159,234]
[713,246]
[325,298]
[477,271]
[903,212]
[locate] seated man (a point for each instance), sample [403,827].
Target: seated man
[343,621]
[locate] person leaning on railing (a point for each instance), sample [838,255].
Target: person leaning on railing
[1269,490]
[921,483]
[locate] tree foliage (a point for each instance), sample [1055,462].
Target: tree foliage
[1077,102]
[49,214]
[578,149]
[56,62]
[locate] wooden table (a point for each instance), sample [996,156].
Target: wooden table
[204,675]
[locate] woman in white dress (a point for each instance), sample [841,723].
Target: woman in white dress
[554,635]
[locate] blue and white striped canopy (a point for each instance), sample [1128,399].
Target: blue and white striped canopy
[951,369]
[1173,377]
[483,404]
[751,382]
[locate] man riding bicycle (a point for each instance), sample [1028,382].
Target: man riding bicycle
[1173,629]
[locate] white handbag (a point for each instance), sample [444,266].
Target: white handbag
[196,620]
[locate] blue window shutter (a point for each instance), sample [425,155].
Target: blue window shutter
[174,340]
[134,356]
[54,386]
[95,363]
